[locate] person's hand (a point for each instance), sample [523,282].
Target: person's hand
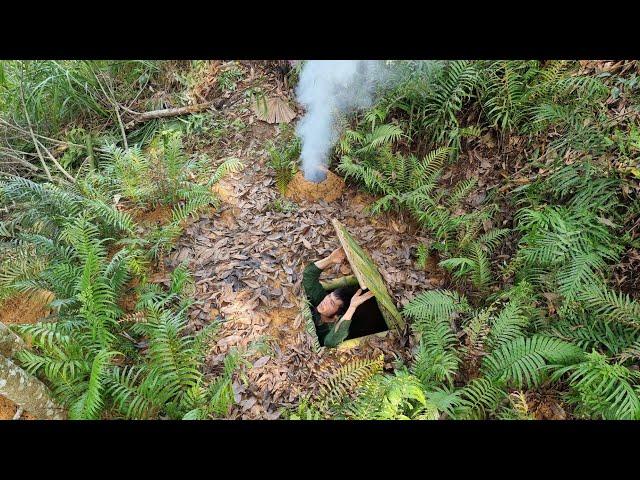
[359,298]
[337,256]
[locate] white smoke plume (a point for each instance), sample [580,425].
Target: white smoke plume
[329,89]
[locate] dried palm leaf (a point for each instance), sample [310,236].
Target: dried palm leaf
[273,110]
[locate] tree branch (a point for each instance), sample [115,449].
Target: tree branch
[217,104]
[56,163]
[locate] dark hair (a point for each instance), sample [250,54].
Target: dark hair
[344,294]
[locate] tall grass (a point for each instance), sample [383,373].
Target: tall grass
[46,99]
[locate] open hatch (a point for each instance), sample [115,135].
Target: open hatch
[376,316]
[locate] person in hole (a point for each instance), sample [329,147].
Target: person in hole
[332,311]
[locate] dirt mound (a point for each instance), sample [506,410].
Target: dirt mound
[329,190]
[23,308]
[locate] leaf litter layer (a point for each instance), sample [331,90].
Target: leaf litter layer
[248,257]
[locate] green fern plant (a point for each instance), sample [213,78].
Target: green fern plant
[44,208]
[531,98]
[506,90]
[284,160]
[74,350]
[429,96]
[432,312]
[85,351]
[522,361]
[305,410]
[214,400]
[403,182]
[474,261]
[454,85]
[562,248]
[602,389]
[610,305]
[391,397]
[422,255]
[163,175]
[477,400]
[345,381]
[496,337]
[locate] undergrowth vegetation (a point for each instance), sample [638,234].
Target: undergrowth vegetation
[523,175]
[78,237]
[283,158]
[547,313]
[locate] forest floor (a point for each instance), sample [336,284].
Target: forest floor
[248,256]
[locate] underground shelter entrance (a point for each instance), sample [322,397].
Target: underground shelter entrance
[377,315]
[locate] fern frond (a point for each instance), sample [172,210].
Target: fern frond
[381,135]
[91,403]
[604,390]
[508,325]
[612,306]
[523,360]
[478,399]
[460,192]
[436,305]
[348,378]
[230,165]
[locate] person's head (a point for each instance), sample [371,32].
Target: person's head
[336,302]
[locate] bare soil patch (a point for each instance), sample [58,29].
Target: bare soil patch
[8,410]
[156,216]
[329,190]
[24,308]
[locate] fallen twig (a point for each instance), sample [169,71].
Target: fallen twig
[179,111]
[18,160]
[55,162]
[33,136]
[116,107]
[167,113]
[27,132]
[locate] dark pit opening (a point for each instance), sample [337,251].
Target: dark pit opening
[367,320]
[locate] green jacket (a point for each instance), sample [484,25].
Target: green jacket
[327,333]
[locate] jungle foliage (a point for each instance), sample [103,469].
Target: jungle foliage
[80,242]
[532,301]
[550,315]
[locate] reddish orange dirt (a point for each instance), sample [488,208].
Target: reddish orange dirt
[330,189]
[8,409]
[22,308]
[156,216]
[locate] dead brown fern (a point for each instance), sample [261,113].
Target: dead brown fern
[347,379]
